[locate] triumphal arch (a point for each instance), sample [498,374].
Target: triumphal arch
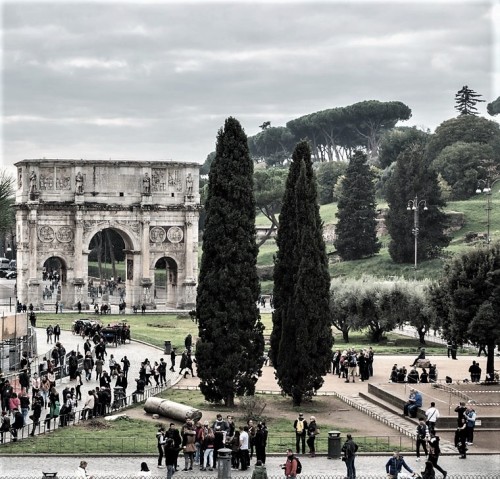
[154,207]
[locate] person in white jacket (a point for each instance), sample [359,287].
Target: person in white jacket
[82,471]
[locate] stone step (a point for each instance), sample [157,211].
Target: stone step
[391,419]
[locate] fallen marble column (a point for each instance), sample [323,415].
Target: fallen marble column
[171,409]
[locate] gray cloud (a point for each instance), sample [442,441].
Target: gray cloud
[153,81]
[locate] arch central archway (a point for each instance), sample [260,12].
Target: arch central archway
[152,207]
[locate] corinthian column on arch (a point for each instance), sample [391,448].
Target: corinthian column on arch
[78,250]
[145,248]
[188,242]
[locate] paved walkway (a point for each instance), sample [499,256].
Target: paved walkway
[137,352]
[318,466]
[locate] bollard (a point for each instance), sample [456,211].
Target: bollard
[334,445]
[224,463]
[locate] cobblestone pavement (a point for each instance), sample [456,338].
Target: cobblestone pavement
[24,466]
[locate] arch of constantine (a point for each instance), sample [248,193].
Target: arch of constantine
[154,206]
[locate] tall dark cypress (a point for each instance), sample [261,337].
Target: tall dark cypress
[230,347]
[356,230]
[304,348]
[414,177]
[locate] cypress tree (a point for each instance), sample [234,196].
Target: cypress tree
[413,176]
[230,348]
[355,232]
[304,347]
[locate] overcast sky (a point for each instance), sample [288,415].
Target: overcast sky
[156,80]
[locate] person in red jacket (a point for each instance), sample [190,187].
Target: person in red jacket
[290,465]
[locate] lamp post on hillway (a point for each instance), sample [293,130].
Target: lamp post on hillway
[487,191]
[414,205]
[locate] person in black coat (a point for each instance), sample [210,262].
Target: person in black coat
[37,412]
[18,424]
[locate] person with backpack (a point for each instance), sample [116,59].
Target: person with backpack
[300,426]
[349,450]
[292,465]
[352,364]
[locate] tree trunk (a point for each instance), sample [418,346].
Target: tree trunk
[266,236]
[111,255]
[229,400]
[345,334]
[297,398]
[376,334]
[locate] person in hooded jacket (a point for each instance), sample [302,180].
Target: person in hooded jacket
[259,471]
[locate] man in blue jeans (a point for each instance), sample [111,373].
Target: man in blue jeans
[414,402]
[349,450]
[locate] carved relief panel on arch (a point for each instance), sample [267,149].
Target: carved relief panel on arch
[165,234]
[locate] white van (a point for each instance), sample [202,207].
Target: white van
[5,263]
[4,267]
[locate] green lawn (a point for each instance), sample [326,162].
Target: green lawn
[152,328]
[130,436]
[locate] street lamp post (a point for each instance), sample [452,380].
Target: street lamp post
[414,205]
[487,187]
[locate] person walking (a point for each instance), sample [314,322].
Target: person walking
[395,464]
[349,450]
[172,359]
[461,439]
[422,437]
[171,453]
[428,472]
[312,432]
[434,452]
[290,465]
[300,426]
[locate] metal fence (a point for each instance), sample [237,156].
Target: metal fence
[49,444]
[249,473]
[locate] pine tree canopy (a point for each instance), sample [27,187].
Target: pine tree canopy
[466,100]
[230,348]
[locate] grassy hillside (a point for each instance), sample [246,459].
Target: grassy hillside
[381,265]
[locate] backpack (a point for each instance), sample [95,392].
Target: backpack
[300,426]
[299,465]
[352,361]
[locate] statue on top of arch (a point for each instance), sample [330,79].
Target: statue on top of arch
[146,184]
[79,183]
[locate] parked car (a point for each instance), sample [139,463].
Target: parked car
[11,275]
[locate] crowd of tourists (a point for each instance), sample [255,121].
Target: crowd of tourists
[201,443]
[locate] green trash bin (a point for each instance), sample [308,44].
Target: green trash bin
[334,449]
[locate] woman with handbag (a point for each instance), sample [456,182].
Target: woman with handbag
[312,432]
